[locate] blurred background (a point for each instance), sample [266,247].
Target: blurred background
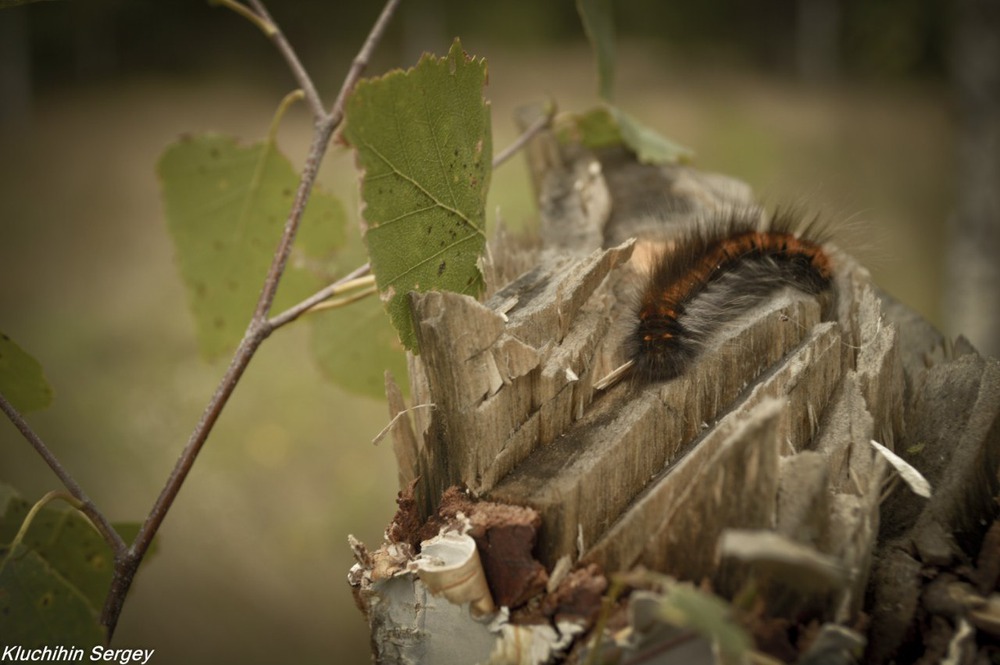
[850,108]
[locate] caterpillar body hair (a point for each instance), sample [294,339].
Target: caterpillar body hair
[712,274]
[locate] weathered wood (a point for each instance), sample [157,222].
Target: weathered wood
[581,482]
[492,370]
[752,470]
[954,438]
[646,529]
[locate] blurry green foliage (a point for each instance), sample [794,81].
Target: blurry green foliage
[21,379]
[608,125]
[226,207]
[598,23]
[687,606]
[53,584]
[356,344]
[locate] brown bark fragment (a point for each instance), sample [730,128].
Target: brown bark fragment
[578,597]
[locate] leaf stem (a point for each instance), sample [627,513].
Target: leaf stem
[286,103]
[259,327]
[336,288]
[288,53]
[30,517]
[265,24]
[345,300]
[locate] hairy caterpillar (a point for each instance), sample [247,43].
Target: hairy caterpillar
[712,274]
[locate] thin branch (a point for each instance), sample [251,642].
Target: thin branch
[361,61]
[288,53]
[385,430]
[345,283]
[257,331]
[87,507]
[259,327]
[324,129]
[538,125]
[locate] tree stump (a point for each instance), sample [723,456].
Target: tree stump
[753,474]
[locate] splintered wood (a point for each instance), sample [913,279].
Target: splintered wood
[752,470]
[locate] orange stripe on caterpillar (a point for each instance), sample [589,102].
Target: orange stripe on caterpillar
[712,275]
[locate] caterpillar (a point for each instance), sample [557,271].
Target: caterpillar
[713,273]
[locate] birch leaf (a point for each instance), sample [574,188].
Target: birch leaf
[354,345]
[423,146]
[226,206]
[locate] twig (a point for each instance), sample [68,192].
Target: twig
[336,288]
[385,430]
[87,507]
[298,71]
[538,125]
[257,331]
[259,327]
[361,61]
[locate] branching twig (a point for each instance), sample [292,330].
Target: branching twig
[86,506]
[345,283]
[128,558]
[538,125]
[260,327]
[298,71]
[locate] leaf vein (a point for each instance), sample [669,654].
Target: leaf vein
[428,259]
[438,202]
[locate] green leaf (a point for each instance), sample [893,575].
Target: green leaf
[59,575]
[21,379]
[13,510]
[53,586]
[355,344]
[594,129]
[649,146]
[608,126]
[684,605]
[226,206]
[598,22]
[39,608]
[424,147]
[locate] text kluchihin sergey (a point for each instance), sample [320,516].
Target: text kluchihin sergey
[75,655]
